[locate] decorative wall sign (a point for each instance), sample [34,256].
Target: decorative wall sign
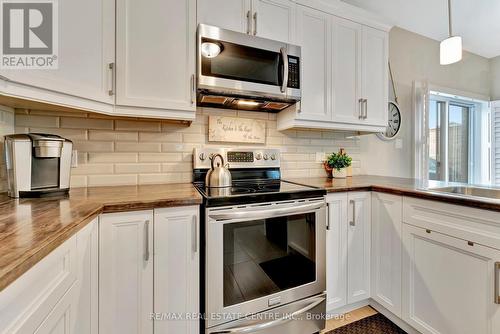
[236,130]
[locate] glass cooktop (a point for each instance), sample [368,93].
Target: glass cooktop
[252,191]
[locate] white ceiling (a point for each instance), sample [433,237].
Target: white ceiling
[477,21]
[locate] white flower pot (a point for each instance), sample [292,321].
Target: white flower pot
[342,174]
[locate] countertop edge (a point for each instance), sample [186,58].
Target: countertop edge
[45,249]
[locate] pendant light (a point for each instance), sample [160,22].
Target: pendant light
[451,48]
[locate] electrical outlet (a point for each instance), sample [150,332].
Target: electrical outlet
[74,159]
[320,156]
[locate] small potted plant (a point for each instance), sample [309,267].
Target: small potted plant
[336,164]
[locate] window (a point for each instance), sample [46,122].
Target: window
[458,139]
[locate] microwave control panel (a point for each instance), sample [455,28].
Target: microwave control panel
[293,72]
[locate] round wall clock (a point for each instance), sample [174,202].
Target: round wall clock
[394,122]
[394,116]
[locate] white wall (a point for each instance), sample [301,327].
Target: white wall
[495,78]
[6,128]
[414,57]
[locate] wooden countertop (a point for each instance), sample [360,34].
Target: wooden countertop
[399,186]
[31,228]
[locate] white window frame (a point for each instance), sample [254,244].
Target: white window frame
[421,103]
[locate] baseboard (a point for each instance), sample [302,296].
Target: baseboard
[395,319]
[348,308]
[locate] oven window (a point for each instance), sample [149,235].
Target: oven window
[243,63]
[262,257]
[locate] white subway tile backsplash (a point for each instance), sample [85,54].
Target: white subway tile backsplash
[120,151]
[137,147]
[84,123]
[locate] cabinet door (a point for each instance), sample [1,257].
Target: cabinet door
[176,268]
[336,251]
[61,320]
[85,320]
[274,19]
[346,74]
[234,15]
[375,75]
[86,48]
[358,246]
[155,46]
[449,284]
[386,251]
[315,69]
[126,272]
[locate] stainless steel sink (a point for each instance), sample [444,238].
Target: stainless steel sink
[470,191]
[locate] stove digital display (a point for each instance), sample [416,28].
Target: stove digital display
[240,156]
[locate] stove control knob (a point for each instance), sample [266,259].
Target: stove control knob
[202,156]
[273,156]
[266,157]
[258,156]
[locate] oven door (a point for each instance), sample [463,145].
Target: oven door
[247,65]
[262,256]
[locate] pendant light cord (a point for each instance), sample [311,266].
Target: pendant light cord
[449,18]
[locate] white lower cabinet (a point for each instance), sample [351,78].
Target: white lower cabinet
[149,271]
[176,269]
[336,250]
[348,248]
[57,295]
[126,272]
[449,284]
[358,246]
[386,251]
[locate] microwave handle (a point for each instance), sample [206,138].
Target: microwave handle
[284,57]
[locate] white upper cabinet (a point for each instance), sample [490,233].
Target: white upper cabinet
[313,34]
[155,57]
[86,48]
[274,19]
[375,76]
[346,87]
[449,284]
[386,251]
[344,73]
[234,15]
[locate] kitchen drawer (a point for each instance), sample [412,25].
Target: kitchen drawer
[27,301]
[479,226]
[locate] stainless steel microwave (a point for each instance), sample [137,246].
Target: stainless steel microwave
[240,71]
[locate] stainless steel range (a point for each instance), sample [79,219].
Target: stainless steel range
[264,248]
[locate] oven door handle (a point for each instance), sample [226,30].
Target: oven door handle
[274,323]
[284,58]
[261,214]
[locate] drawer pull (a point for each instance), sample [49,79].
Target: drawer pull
[497,282]
[428,231]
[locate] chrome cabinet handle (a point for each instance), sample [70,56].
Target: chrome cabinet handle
[146,241]
[284,57]
[365,104]
[360,111]
[111,67]
[353,221]
[328,218]
[195,234]
[497,282]
[193,88]
[249,22]
[266,325]
[255,23]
